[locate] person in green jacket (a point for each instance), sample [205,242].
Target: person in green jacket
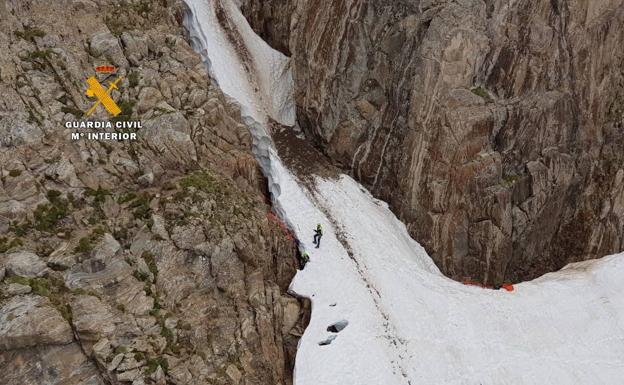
[318,233]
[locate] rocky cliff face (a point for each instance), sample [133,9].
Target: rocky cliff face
[146,262]
[494,129]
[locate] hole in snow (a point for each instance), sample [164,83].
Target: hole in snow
[328,340]
[332,304]
[337,327]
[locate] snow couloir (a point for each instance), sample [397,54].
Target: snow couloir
[382,313]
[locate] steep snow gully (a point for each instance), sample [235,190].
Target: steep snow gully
[382,313]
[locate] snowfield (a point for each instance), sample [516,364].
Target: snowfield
[382,313]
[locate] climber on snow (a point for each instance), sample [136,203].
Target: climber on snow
[317,235]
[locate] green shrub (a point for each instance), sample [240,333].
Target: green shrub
[201,181]
[20,229]
[140,206]
[140,7]
[7,244]
[40,54]
[86,244]
[133,79]
[121,234]
[154,363]
[29,33]
[47,215]
[141,276]
[18,279]
[127,197]
[480,91]
[53,195]
[15,173]
[120,349]
[510,180]
[99,195]
[52,288]
[168,334]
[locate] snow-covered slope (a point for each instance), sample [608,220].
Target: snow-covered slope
[400,320]
[564,328]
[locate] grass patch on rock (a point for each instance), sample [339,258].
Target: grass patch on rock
[155,362]
[87,243]
[51,287]
[7,244]
[98,196]
[480,91]
[29,33]
[48,215]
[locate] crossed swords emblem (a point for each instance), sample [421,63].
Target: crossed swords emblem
[103,95]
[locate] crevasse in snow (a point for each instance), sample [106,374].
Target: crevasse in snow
[400,320]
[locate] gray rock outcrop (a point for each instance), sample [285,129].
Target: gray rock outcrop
[129,262]
[24,264]
[27,321]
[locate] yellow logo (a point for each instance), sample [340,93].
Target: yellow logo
[103,96]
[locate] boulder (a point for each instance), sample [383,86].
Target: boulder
[92,318]
[105,45]
[149,97]
[158,228]
[16,129]
[128,376]
[17,289]
[291,309]
[106,248]
[169,134]
[63,171]
[62,261]
[129,363]
[234,373]
[50,365]
[24,264]
[135,46]
[27,321]
[115,362]
[146,179]
[102,350]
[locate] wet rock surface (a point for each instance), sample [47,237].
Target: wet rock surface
[135,262]
[494,130]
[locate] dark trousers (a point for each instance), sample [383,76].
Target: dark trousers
[317,240]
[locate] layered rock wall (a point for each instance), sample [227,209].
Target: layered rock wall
[494,129]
